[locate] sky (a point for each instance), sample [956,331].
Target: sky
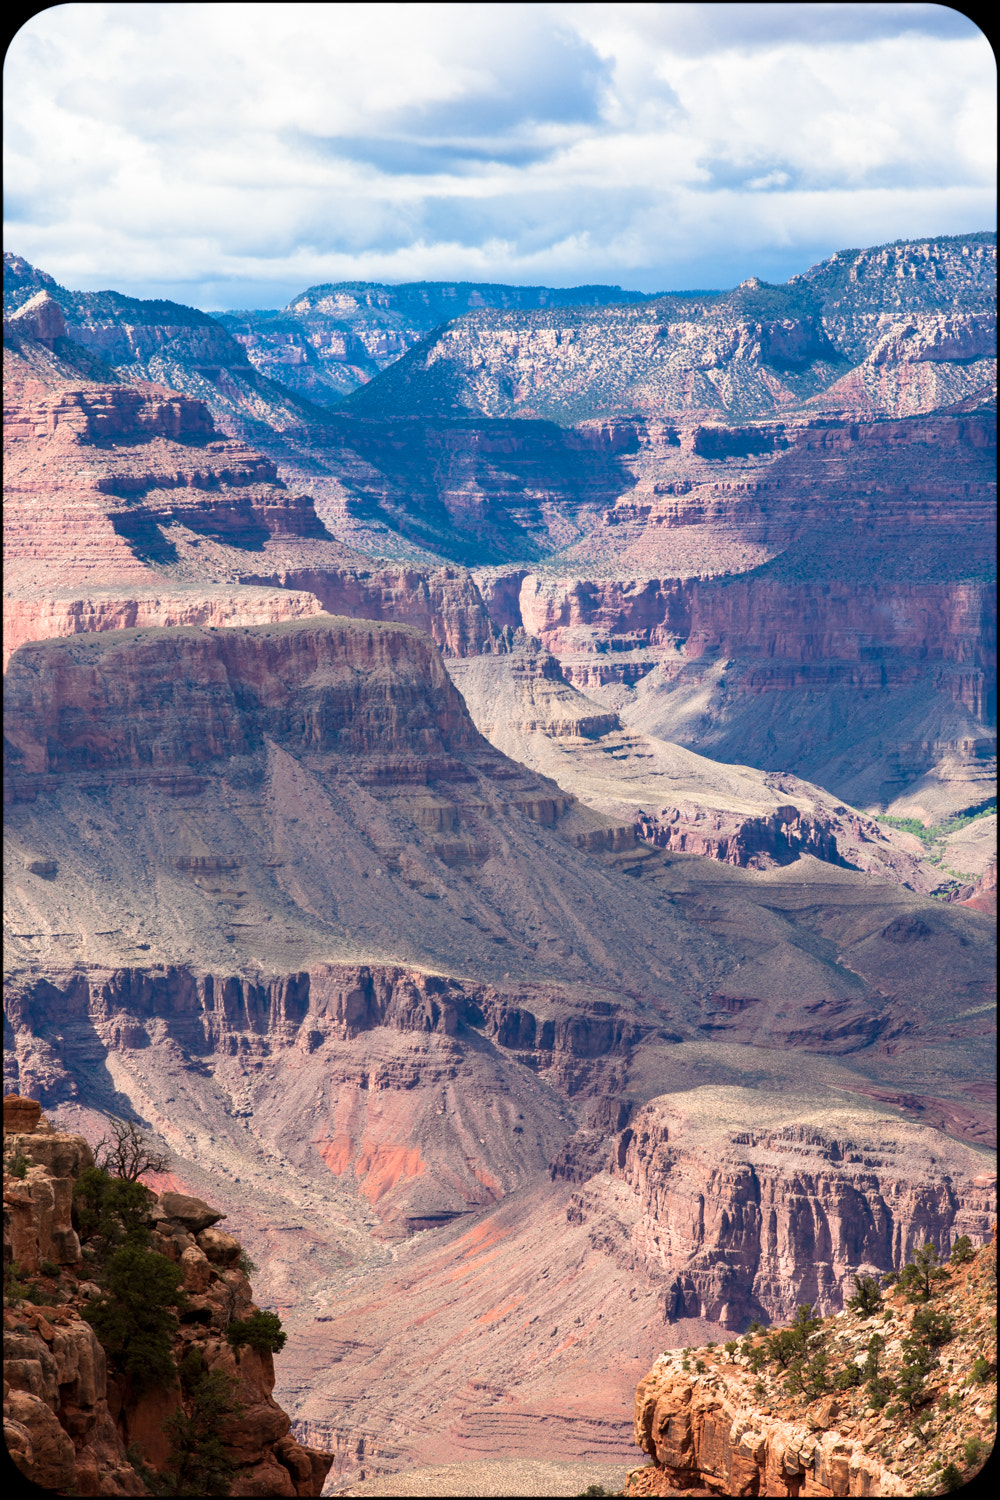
[230,155]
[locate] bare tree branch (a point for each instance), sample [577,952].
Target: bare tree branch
[127,1152]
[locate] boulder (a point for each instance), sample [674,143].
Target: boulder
[51,1463]
[197,1270]
[63,1154]
[193,1213]
[220,1247]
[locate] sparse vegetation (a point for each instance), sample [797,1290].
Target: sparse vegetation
[919,1276]
[127,1151]
[198,1463]
[110,1211]
[867,1299]
[134,1318]
[16,1163]
[262,1331]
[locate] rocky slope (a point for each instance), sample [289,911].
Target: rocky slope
[458,1350]
[733,1425]
[523,704]
[72,1421]
[378,987]
[896,330]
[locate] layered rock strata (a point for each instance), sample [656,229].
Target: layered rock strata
[69,1422]
[539,1290]
[749,1214]
[125,506]
[675,800]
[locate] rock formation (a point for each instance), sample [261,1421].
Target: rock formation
[717,503]
[713,1429]
[509,1035]
[72,1424]
[521,700]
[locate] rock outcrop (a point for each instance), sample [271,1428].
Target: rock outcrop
[731,1425]
[72,1424]
[748,1213]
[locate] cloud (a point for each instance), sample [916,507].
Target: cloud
[232,155]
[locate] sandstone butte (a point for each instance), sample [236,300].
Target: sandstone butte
[517,1037]
[71,1424]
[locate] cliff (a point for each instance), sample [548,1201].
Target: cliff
[125,506]
[747,1214]
[675,800]
[735,1425]
[555,1294]
[73,1420]
[332,338]
[897,329]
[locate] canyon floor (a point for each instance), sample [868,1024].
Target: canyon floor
[531,865]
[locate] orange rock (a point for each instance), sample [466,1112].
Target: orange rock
[20,1116]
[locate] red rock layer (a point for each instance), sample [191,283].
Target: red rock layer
[375,690]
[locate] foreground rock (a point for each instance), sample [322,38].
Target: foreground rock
[718,1422]
[70,1424]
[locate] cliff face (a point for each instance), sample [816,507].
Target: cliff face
[721,1431]
[370,691]
[125,506]
[747,1216]
[69,1422]
[332,338]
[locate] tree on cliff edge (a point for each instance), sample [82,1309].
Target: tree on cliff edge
[127,1152]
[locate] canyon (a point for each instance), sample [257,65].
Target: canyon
[463,792]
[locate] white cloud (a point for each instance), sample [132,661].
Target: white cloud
[223,153]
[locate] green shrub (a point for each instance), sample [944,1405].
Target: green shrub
[134,1319]
[198,1463]
[14,1288]
[917,1278]
[245,1264]
[17,1164]
[110,1211]
[951,1478]
[972,1452]
[49,1268]
[848,1376]
[262,1331]
[815,1379]
[981,1370]
[880,1391]
[867,1299]
[933,1327]
[730,1347]
[700,1366]
[911,1384]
